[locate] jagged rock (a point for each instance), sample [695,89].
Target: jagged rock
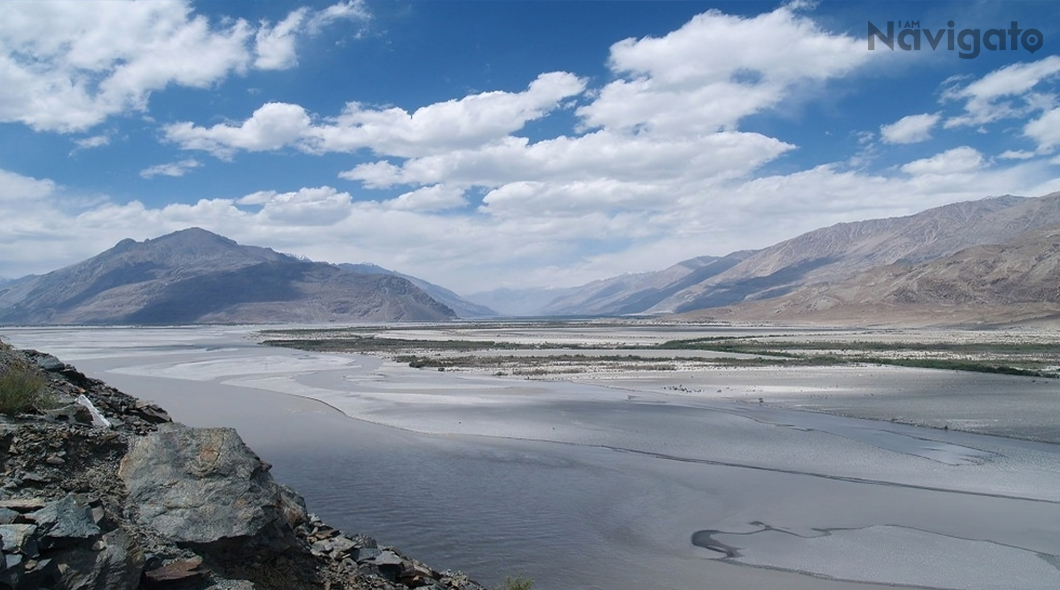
[117,565]
[7,516]
[151,413]
[50,363]
[180,569]
[18,538]
[201,485]
[22,504]
[71,414]
[64,520]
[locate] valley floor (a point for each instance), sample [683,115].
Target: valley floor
[612,462]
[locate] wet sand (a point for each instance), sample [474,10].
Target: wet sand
[635,481]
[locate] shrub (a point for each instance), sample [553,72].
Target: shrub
[517,583]
[22,390]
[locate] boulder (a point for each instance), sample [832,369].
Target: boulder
[114,564]
[63,521]
[203,485]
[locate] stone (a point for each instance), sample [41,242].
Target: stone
[50,363]
[7,516]
[64,519]
[71,414]
[151,413]
[117,566]
[176,570]
[202,485]
[18,538]
[22,504]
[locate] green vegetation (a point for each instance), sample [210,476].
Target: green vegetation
[22,390]
[517,583]
[1034,359]
[1008,358]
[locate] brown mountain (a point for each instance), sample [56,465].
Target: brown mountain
[194,276]
[838,252]
[1016,281]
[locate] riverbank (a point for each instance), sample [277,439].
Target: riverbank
[103,490]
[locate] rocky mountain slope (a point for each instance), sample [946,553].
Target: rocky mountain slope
[638,292]
[1015,281]
[101,491]
[460,305]
[195,276]
[838,252]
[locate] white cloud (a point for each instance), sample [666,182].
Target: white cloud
[305,207]
[955,161]
[274,45]
[429,198]
[1045,130]
[601,154]
[67,65]
[717,69]
[351,10]
[92,142]
[271,127]
[1017,155]
[911,129]
[471,121]
[171,169]
[16,188]
[1004,93]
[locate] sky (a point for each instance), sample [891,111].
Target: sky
[514,144]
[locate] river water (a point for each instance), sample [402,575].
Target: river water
[581,485]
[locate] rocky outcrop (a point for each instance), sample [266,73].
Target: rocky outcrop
[108,493]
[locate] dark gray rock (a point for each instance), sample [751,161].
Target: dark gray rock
[116,565]
[50,363]
[64,520]
[202,485]
[7,515]
[18,538]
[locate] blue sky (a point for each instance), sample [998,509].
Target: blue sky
[506,143]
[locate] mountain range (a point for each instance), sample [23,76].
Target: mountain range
[995,257]
[798,273]
[194,276]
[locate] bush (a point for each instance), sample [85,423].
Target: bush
[22,390]
[517,583]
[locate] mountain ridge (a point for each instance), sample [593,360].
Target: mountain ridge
[195,276]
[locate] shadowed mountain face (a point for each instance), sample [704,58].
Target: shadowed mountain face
[826,255]
[196,276]
[636,293]
[835,253]
[460,305]
[1014,281]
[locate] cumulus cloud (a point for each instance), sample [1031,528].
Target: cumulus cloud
[1045,130]
[717,69]
[306,207]
[911,129]
[67,65]
[955,161]
[1005,93]
[271,127]
[171,169]
[471,121]
[429,198]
